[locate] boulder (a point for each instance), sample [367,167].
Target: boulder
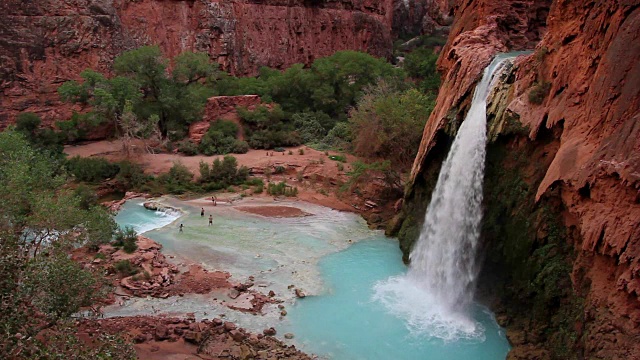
[269,332]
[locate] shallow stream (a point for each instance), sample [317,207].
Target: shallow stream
[330,255]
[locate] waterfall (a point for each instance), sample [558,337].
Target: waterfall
[437,291]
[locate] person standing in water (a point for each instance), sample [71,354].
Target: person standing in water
[213,198]
[181,226]
[210,220]
[202,212]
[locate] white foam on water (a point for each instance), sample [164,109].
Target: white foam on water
[147,220]
[425,315]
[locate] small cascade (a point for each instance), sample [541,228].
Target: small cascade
[436,293]
[160,215]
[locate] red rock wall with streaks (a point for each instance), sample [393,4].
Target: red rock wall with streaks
[45,43]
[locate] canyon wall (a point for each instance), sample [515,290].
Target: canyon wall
[565,132]
[45,43]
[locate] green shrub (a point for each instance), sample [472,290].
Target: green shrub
[539,92]
[177,180]
[340,158]
[215,142]
[126,238]
[131,175]
[188,148]
[339,137]
[420,64]
[281,188]
[87,196]
[254,181]
[227,128]
[125,268]
[92,170]
[240,147]
[45,139]
[279,169]
[258,189]
[223,173]
[301,151]
[28,123]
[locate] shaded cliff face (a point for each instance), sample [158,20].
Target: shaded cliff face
[45,43]
[580,138]
[421,17]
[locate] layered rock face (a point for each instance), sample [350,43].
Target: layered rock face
[585,75]
[45,43]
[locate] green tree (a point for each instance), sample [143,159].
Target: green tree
[172,101]
[421,65]
[388,124]
[308,127]
[40,222]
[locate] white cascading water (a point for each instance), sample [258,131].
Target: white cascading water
[435,294]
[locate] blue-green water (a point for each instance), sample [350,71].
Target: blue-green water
[347,323]
[344,320]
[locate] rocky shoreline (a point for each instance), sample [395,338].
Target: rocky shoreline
[174,338]
[162,337]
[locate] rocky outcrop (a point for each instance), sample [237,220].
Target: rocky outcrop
[223,108]
[421,17]
[45,43]
[567,124]
[170,337]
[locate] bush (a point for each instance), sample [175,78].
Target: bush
[125,268]
[279,169]
[223,173]
[126,238]
[388,124]
[254,181]
[421,65]
[340,158]
[227,128]
[281,189]
[258,189]
[28,123]
[177,180]
[308,127]
[188,148]
[87,196]
[45,139]
[539,92]
[215,142]
[92,170]
[240,147]
[301,151]
[131,176]
[339,137]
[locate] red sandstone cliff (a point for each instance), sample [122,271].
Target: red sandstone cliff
[45,43]
[589,54]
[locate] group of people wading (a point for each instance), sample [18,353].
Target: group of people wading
[215,203]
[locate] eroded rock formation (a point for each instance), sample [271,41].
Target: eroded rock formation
[421,17]
[45,43]
[572,109]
